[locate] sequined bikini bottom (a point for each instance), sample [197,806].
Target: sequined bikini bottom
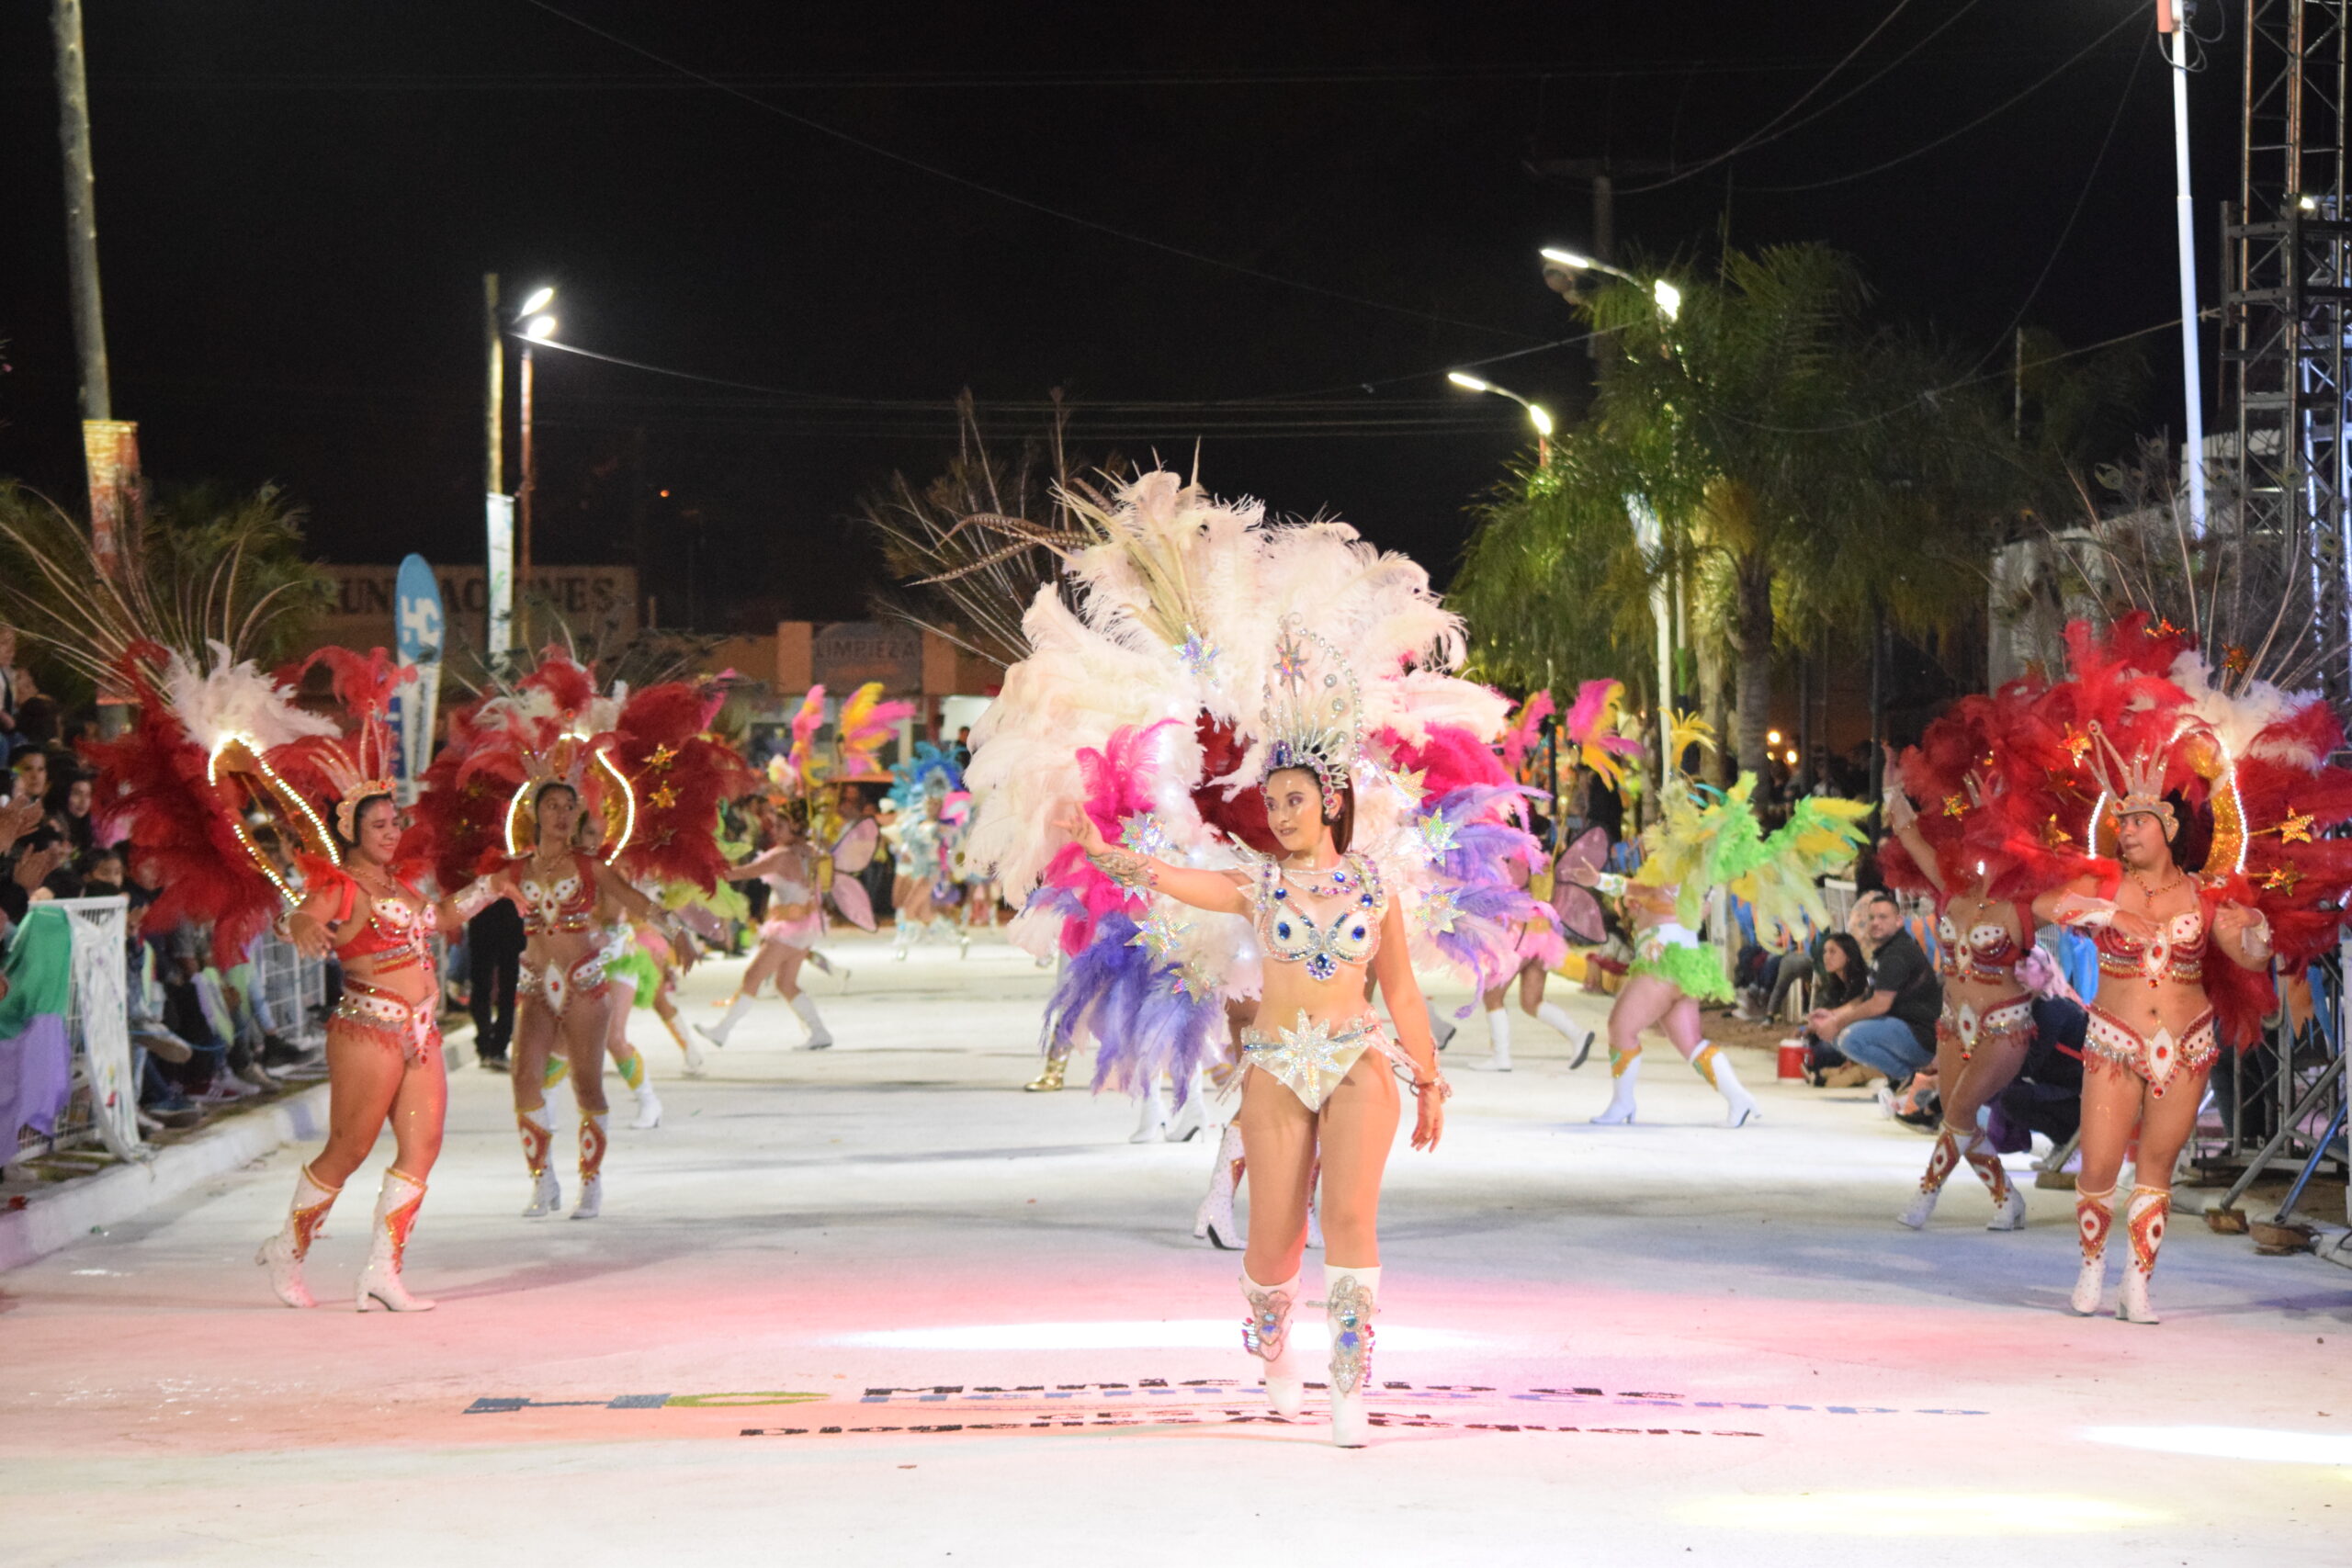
[2155,1059]
[556,986]
[413,1028]
[1311,1059]
[2010,1021]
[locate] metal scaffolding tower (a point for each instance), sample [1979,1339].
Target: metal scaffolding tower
[2287,338]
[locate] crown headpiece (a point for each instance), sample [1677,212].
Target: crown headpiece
[585,769]
[2129,785]
[1314,714]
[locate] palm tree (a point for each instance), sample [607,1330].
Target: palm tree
[1805,468]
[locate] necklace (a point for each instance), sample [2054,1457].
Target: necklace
[2152,894]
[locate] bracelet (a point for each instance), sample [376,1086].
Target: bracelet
[1133,873]
[2256,938]
[2076,910]
[473,899]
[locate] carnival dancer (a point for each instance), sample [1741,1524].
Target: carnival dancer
[795,924]
[2157,741]
[1983,885]
[1323,1083]
[214,746]
[926,841]
[1708,840]
[1188,701]
[1590,726]
[630,973]
[642,769]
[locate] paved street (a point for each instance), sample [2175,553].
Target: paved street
[876,1305]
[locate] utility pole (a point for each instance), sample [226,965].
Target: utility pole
[110,446]
[498,556]
[2170,16]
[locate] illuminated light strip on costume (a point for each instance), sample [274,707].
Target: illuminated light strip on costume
[2098,809]
[629,803]
[285,795]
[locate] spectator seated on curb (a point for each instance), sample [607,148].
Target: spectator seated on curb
[1891,1028]
[32,871]
[1842,978]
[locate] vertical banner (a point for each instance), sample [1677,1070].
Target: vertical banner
[418,629]
[500,559]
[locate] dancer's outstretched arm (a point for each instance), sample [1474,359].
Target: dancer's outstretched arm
[1392,966]
[1217,891]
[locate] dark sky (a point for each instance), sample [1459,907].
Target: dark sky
[296,203]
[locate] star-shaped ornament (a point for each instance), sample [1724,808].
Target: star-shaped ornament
[1160,935]
[1436,830]
[1411,785]
[1955,806]
[1142,833]
[2281,879]
[1438,912]
[2053,835]
[1197,654]
[1189,983]
[662,799]
[663,755]
[2296,829]
[2078,743]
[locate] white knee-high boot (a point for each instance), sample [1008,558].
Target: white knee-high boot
[1151,1117]
[539,1145]
[283,1253]
[1554,1017]
[1497,1041]
[716,1034]
[1624,1074]
[1214,1219]
[1351,1298]
[1265,1334]
[820,1037]
[379,1283]
[1712,1065]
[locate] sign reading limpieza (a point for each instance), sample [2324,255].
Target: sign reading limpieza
[596,602]
[846,654]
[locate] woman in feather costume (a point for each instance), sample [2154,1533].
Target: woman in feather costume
[213,746]
[1169,746]
[1709,839]
[2194,800]
[530,774]
[1590,727]
[1974,767]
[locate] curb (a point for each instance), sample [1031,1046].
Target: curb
[57,1218]
[51,1221]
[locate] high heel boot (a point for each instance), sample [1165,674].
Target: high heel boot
[2144,1222]
[1215,1218]
[2008,1203]
[538,1145]
[283,1254]
[1265,1334]
[1942,1159]
[2092,1220]
[593,1142]
[396,1207]
[1351,1297]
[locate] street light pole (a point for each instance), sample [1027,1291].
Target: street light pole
[2170,18]
[1537,414]
[530,480]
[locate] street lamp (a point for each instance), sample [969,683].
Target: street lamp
[537,327]
[499,513]
[1537,414]
[1664,295]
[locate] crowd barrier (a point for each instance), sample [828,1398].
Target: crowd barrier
[99,1121]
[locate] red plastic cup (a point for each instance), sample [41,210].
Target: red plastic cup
[1792,1059]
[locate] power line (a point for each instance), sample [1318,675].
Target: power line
[1999,109]
[1762,133]
[1038,207]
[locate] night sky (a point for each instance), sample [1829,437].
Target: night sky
[296,203]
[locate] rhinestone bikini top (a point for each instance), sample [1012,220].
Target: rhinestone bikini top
[1348,934]
[566,903]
